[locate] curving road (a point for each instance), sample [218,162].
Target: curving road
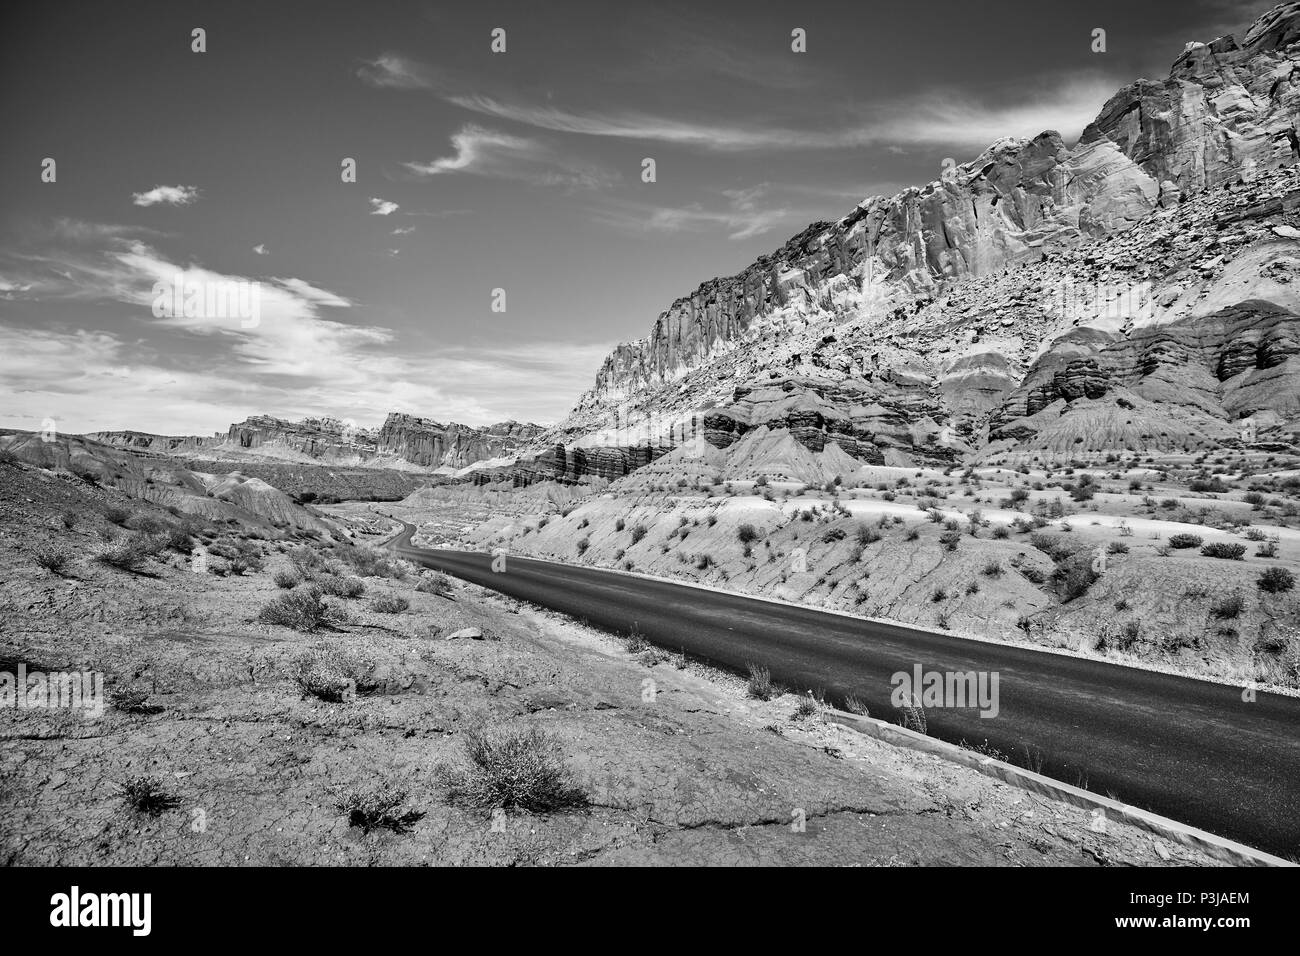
[1184,748]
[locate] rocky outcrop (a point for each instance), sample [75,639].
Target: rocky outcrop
[431,444]
[403,441]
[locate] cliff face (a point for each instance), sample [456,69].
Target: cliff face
[433,445]
[1227,110]
[998,309]
[403,441]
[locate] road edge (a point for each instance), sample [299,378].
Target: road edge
[1221,848]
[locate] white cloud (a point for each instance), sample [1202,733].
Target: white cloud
[395,72]
[947,117]
[750,212]
[485,152]
[261,249]
[299,360]
[403,230]
[171,195]
[383,207]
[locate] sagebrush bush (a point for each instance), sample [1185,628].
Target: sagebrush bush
[341,586]
[131,553]
[512,769]
[286,579]
[330,671]
[1181,541]
[434,583]
[303,609]
[1276,580]
[389,604]
[1225,550]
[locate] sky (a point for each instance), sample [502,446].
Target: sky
[500,236]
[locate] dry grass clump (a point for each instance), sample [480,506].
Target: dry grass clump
[521,769]
[376,805]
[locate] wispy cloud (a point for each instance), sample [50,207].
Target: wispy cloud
[750,211]
[382,207]
[485,152]
[935,118]
[403,230]
[167,195]
[261,249]
[391,71]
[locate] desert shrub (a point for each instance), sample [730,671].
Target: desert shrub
[583,545]
[1001,531]
[1276,580]
[521,769]
[1228,606]
[1181,541]
[1254,534]
[638,533]
[912,534]
[833,534]
[117,515]
[704,562]
[939,594]
[1225,550]
[379,804]
[178,538]
[147,524]
[52,558]
[1058,547]
[1031,574]
[340,585]
[131,553]
[148,795]
[1117,547]
[286,579]
[330,671]
[389,604]
[1074,577]
[1274,642]
[760,686]
[747,534]
[993,569]
[303,609]
[620,524]
[950,539]
[370,563]
[432,583]
[1267,550]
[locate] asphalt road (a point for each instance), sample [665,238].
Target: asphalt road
[1183,748]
